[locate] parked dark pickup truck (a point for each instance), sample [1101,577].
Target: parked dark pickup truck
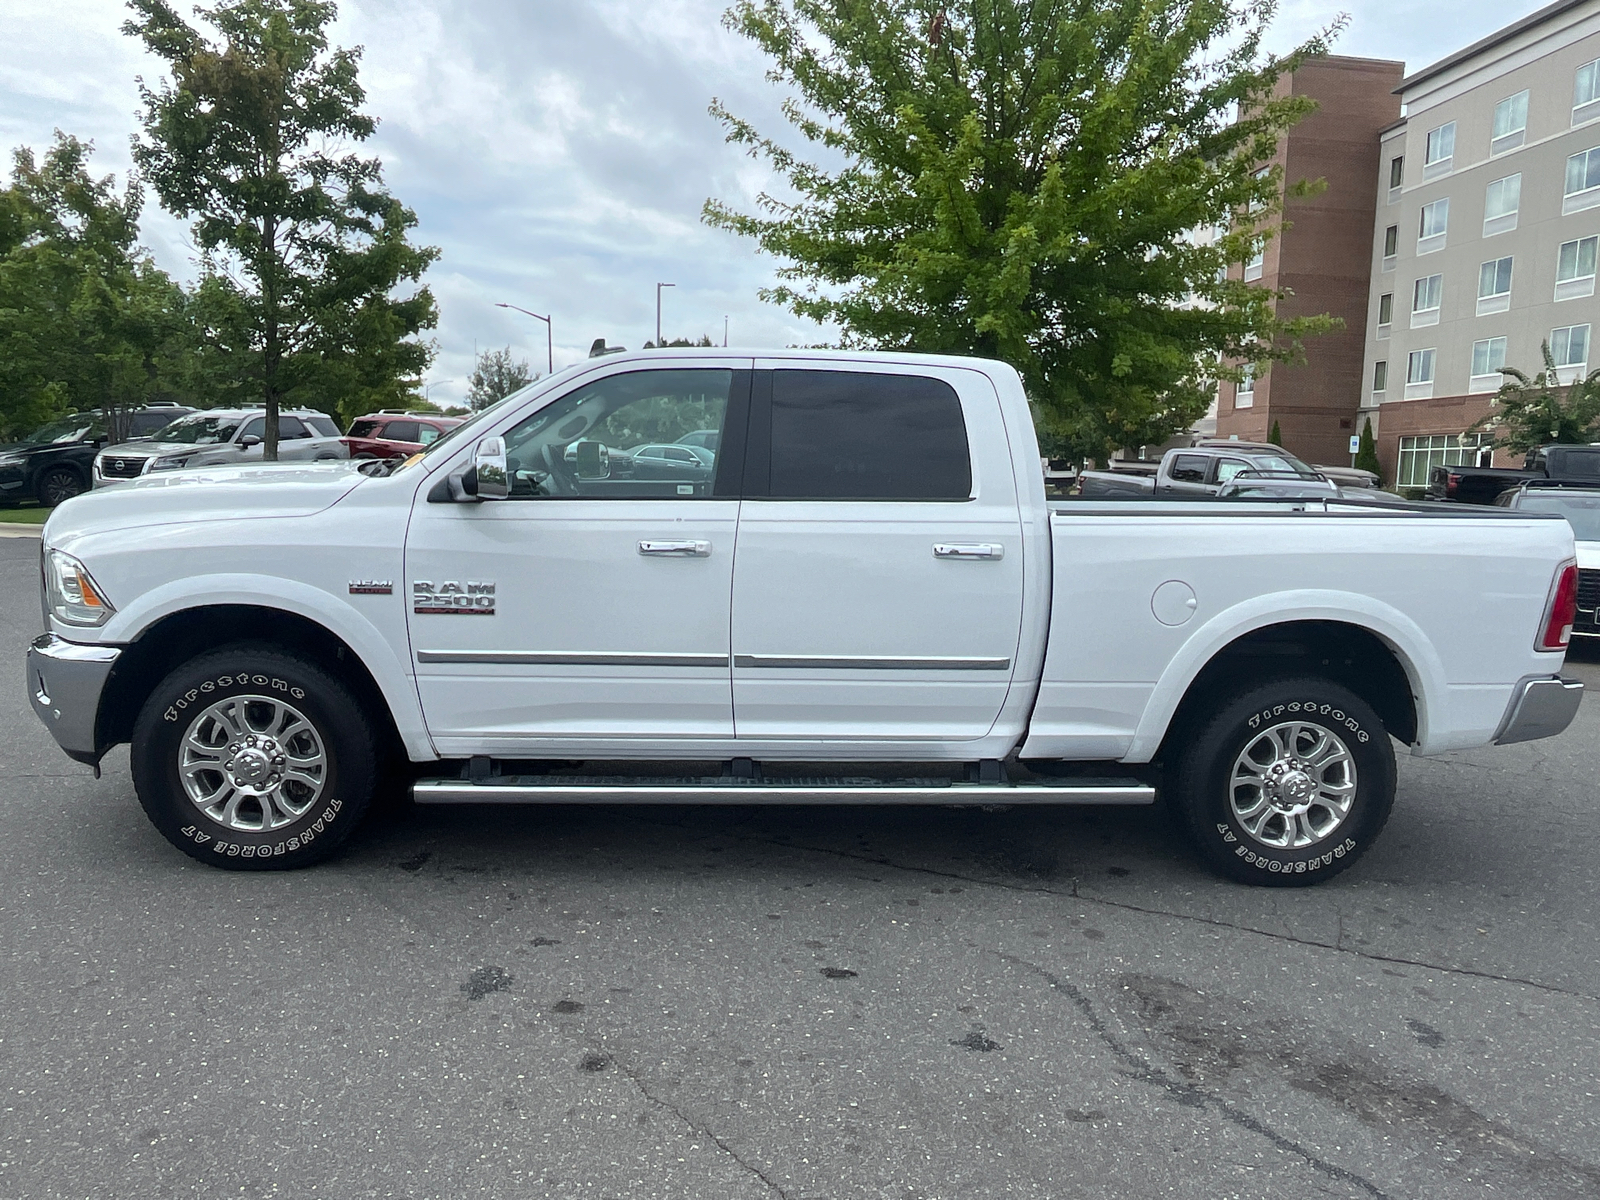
[1480,485]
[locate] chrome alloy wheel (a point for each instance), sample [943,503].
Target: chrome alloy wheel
[252,763]
[1293,784]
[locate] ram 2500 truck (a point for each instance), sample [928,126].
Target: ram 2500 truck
[868,600]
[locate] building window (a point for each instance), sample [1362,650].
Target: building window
[1419,374]
[1391,246]
[1257,204]
[1501,200]
[1583,181]
[1397,174]
[1419,455]
[1510,123]
[1434,224]
[1380,376]
[1385,313]
[1586,93]
[1575,268]
[1494,286]
[1244,392]
[1569,348]
[1441,151]
[1256,263]
[1425,296]
[1488,359]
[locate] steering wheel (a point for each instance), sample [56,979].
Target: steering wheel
[561,481]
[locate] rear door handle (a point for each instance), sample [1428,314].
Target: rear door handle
[676,549]
[978,550]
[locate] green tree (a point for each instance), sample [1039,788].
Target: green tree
[1367,452]
[87,321]
[1024,179]
[1276,436]
[495,375]
[252,137]
[1536,410]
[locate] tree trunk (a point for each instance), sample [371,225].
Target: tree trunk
[270,349]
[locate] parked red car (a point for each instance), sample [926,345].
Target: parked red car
[395,434]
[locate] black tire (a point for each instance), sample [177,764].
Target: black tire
[58,484]
[1288,848]
[292,824]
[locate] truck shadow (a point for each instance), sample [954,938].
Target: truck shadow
[1042,847]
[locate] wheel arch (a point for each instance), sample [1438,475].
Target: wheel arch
[1375,651]
[178,636]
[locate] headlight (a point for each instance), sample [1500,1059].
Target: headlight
[169,464]
[71,595]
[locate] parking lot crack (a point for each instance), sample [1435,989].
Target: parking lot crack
[1187,1094]
[1074,893]
[697,1127]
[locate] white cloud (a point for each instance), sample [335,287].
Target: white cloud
[557,151]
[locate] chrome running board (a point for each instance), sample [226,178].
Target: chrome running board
[551,789]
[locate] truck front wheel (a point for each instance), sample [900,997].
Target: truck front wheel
[253,760]
[1287,785]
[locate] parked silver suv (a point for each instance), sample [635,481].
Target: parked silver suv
[220,436]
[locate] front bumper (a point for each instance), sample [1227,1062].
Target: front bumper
[1541,707]
[65,681]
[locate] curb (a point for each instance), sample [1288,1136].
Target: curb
[21,531]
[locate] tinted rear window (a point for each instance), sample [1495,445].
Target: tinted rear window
[1580,462]
[363,428]
[840,435]
[322,427]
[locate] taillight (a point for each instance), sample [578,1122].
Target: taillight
[1561,611]
[1452,483]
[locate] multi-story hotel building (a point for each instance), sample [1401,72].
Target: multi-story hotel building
[1484,245]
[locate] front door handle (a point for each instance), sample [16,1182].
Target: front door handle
[978,550]
[676,549]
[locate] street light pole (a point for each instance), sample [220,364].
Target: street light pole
[724,333]
[659,286]
[549,332]
[427,389]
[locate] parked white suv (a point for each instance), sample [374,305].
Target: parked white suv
[221,437]
[868,574]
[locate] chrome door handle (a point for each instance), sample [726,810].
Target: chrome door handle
[676,549]
[979,550]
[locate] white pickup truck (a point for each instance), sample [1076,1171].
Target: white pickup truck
[857,593]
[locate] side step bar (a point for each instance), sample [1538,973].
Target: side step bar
[549,789]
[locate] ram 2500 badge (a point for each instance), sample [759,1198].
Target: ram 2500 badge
[868,574]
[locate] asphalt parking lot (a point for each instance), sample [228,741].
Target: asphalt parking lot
[797,1003]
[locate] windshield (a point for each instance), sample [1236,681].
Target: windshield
[1581,512]
[68,429]
[198,430]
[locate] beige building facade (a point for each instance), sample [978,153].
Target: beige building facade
[1485,241]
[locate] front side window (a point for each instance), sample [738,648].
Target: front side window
[1441,150]
[427,434]
[581,446]
[1434,224]
[1501,201]
[1575,268]
[255,427]
[1569,346]
[857,435]
[1488,357]
[1583,181]
[1586,93]
[1510,123]
[1419,366]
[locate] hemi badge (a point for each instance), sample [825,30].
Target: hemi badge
[371,587]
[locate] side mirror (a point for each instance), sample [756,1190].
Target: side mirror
[249,440]
[490,476]
[593,460]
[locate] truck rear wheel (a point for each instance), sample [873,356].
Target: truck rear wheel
[253,760]
[1287,785]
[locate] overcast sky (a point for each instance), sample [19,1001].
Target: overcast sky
[557,151]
